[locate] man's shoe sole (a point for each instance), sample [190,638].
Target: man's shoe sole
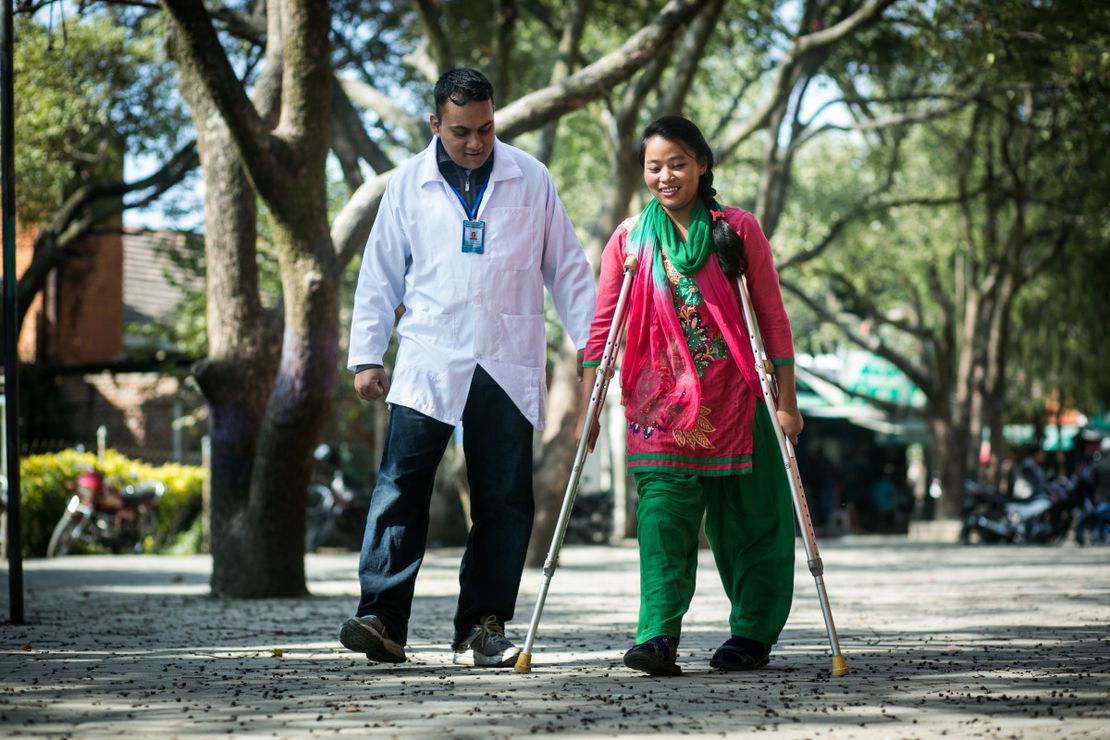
[361,637]
[643,660]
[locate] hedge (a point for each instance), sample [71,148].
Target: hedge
[48,481]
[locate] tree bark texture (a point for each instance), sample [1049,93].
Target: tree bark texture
[262,464]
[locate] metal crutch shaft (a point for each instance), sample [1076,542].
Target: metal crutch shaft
[763,368]
[597,396]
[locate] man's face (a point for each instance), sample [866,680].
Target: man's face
[466,132]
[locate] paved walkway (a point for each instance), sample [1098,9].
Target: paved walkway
[940,639]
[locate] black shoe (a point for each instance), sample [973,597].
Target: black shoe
[656,657]
[741,654]
[368,635]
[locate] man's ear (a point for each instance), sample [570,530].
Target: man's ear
[433,121]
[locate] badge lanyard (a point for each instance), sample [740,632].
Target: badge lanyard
[473,231]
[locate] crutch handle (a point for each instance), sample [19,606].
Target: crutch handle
[630,262]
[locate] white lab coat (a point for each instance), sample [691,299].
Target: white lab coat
[462,309]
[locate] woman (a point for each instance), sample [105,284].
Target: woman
[700,442]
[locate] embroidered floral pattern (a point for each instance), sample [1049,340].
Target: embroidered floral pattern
[698,436]
[643,431]
[686,290]
[704,348]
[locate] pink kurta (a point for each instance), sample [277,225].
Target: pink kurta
[720,441]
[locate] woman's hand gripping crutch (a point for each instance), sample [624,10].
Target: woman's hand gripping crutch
[765,370]
[597,398]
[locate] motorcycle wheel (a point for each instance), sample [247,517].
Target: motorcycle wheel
[971,536]
[68,531]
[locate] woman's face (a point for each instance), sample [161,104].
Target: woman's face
[671,173]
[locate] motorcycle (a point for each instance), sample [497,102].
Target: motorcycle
[990,516]
[103,515]
[1092,523]
[337,505]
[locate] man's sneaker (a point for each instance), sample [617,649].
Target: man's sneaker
[486,645]
[368,635]
[655,657]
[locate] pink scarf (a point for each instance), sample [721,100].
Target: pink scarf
[659,382]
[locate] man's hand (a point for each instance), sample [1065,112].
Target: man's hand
[581,354]
[371,384]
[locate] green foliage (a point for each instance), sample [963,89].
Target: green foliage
[81,99]
[48,481]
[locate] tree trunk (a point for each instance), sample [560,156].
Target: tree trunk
[262,464]
[553,467]
[238,374]
[283,464]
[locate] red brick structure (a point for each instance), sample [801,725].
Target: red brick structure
[81,372]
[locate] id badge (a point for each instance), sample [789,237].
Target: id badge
[474,237]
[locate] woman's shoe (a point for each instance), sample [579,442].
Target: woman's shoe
[656,657]
[741,654]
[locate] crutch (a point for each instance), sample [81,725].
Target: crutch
[597,396]
[765,369]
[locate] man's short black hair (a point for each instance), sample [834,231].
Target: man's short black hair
[460,86]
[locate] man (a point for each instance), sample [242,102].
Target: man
[468,234]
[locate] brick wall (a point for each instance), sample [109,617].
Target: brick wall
[138,410]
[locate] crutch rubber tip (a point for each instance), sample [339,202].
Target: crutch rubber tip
[524,663]
[839,666]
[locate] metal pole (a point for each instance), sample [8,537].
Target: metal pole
[11,326]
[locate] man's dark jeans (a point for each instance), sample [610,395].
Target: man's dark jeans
[497,443]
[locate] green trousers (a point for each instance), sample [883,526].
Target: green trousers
[750,528]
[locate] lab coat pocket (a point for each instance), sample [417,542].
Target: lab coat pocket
[519,339]
[512,237]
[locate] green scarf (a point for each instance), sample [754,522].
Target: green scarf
[686,256]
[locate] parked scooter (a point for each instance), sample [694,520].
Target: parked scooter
[337,505]
[990,516]
[100,514]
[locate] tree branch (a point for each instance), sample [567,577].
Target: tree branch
[872,343]
[80,214]
[569,43]
[351,227]
[306,73]
[786,72]
[436,46]
[892,121]
[415,128]
[547,104]
[862,207]
[194,43]
[688,59]
[350,140]
[503,48]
